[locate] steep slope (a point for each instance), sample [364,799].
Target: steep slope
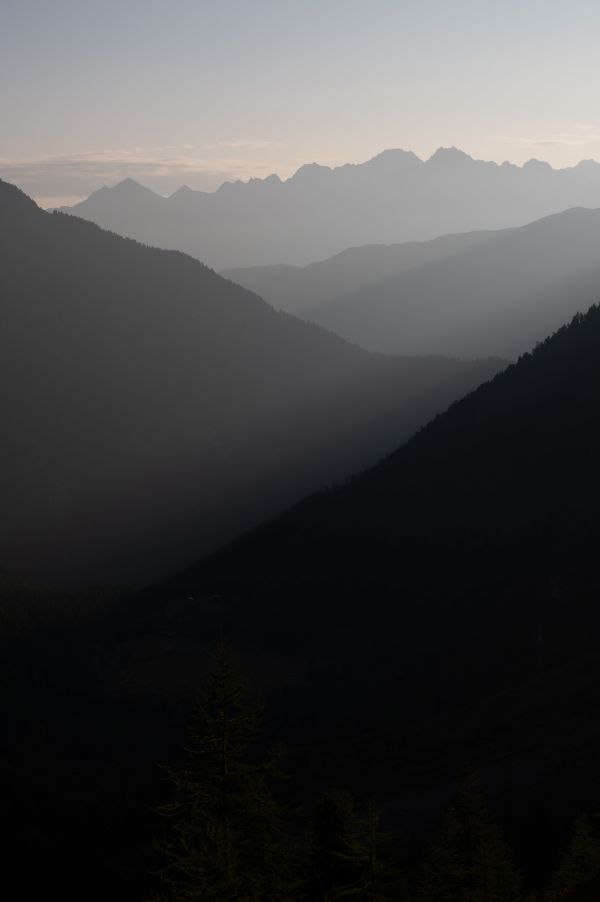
[440,611]
[464,295]
[463,565]
[516,458]
[395,197]
[151,408]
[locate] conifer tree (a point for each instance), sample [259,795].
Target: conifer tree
[580,865]
[338,854]
[345,854]
[385,881]
[225,841]
[469,860]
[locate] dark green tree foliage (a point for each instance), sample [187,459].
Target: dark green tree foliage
[339,857]
[385,878]
[225,841]
[579,870]
[469,860]
[346,854]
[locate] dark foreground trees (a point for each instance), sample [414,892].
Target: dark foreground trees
[577,877]
[225,840]
[469,860]
[226,837]
[347,854]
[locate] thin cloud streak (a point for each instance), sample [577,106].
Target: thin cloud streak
[563,139]
[245,145]
[66,178]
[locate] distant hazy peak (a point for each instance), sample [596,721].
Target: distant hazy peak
[130,186]
[127,191]
[184,191]
[393,198]
[389,161]
[270,181]
[394,158]
[450,156]
[534,165]
[309,170]
[588,165]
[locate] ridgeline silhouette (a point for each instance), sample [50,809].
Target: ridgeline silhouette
[463,295]
[442,586]
[152,409]
[394,197]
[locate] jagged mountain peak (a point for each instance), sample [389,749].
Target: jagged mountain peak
[131,186]
[184,191]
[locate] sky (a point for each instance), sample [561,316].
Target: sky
[198,92]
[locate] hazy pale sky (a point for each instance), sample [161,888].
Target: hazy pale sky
[199,91]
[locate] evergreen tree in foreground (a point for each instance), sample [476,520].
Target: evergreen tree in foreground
[578,875]
[469,860]
[225,841]
[346,854]
[338,857]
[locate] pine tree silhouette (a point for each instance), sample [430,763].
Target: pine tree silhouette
[469,860]
[225,840]
[578,874]
[346,854]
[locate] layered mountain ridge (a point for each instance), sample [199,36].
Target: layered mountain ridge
[152,409]
[513,462]
[319,211]
[443,604]
[464,295]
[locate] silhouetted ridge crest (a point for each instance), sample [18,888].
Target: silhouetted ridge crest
[394,159]
[310,171]
[535,165]
[151,409]
[184,191]
[133,188]
[13,200]
[320,210]
[505,482]
[467,295]
[450,156]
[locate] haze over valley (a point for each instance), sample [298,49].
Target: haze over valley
[299,484]
[468,295]
[170,403]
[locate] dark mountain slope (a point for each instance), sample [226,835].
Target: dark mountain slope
[151,408]
[395,197]
[440,611]
[464,562]
[514,461]
[465,295]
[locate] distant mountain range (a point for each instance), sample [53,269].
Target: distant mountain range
[151,408]
[395,197]
[466,295]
